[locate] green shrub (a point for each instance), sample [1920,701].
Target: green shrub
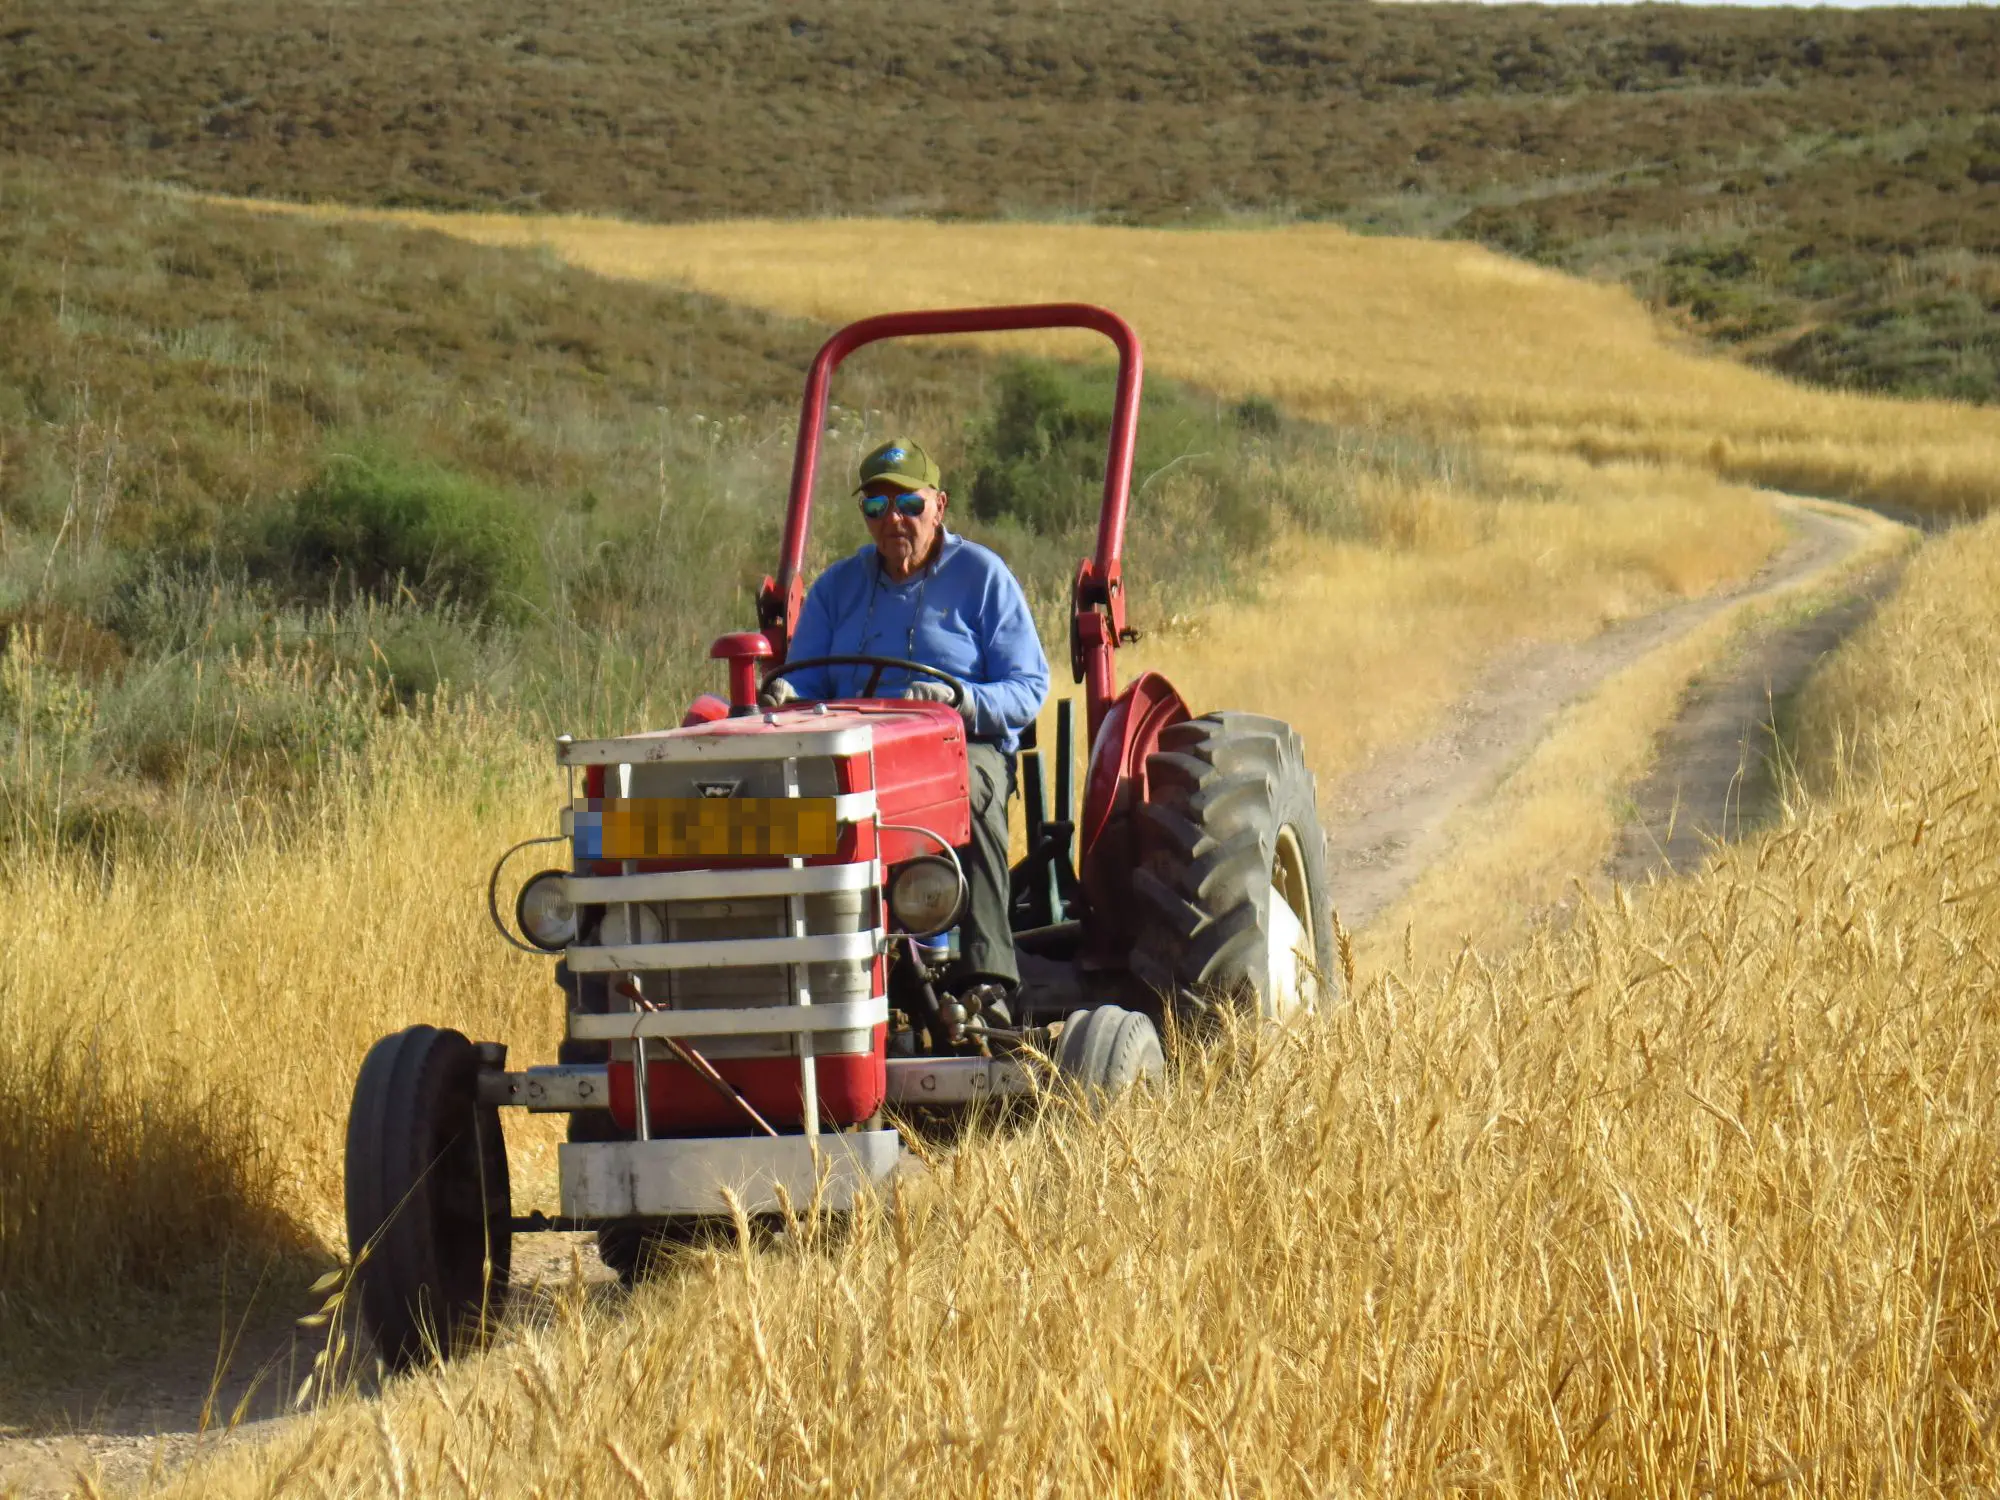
[1932,343]
[1258,414]
[1038,459]
[379,523]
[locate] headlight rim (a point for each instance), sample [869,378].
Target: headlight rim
[527,928]
[911,866]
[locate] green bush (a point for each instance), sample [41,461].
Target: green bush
[379,523]
[1038,459]
[1258,414]
[1931,343]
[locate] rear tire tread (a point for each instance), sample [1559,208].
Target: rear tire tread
[1219,790]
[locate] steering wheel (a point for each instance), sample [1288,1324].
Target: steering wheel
[880,664]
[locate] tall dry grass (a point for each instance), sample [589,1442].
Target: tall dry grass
[1362,647]
[181,1031]
[1698,1196]
[1335,325]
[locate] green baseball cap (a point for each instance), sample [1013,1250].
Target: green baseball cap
[900,461]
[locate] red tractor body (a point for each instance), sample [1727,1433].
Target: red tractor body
[894,774]
[753,917]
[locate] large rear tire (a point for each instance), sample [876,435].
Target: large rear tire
[427,1197]
[1234,908]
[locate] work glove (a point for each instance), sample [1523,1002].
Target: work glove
[777,693]
[930,690]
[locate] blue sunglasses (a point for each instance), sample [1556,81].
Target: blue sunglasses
[909,503]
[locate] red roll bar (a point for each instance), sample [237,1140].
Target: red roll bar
[1097,599]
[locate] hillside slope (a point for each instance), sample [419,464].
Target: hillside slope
[1448,338]
[1818,189]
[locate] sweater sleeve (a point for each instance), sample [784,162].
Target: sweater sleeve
[1016,674]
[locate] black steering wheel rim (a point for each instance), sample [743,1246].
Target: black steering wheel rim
[880,664]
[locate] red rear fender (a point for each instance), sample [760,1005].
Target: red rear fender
[1114,785]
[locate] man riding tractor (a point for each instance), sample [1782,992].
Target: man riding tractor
[750,915]
[918,592]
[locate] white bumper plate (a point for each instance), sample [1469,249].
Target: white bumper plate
[956,1080]
[633,1179]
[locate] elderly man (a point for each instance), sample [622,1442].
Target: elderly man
[921,594]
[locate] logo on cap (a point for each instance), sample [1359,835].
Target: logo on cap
[894,455]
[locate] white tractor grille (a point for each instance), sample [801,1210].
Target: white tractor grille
[754,919]
[752,961]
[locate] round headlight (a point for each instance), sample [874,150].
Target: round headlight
[925,895]
[544,912]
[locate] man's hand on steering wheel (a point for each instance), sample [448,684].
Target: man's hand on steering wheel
[932,684]
[929,690]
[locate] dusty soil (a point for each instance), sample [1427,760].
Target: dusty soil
[1717,777]
[128,1431]
[1387,823]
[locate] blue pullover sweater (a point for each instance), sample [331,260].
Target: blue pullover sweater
[964,614]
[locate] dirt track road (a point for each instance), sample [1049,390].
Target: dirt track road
[1387,824]
[161,1412]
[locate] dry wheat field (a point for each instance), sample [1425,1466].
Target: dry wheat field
[1689,1196]
[1697,1196]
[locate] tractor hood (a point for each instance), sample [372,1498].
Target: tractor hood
[895,765]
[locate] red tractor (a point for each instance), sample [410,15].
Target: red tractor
[753,920]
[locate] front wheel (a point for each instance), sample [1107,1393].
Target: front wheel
[1231,883]
[1108,1050]
[427,1197]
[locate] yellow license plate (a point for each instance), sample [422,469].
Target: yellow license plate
[718,827]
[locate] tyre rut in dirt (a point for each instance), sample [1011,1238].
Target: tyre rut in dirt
[1229,833]
[427,1196]
[1109,1050]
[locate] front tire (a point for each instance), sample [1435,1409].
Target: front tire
[427,1197]
[1108,1050]
[1231,880]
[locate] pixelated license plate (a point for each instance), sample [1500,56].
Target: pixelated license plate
[705,827]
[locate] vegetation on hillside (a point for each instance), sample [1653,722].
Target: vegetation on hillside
[1819,190]
[1448,342]
[263,482]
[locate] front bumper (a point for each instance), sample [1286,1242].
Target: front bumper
[568,1087]
[692,1178]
